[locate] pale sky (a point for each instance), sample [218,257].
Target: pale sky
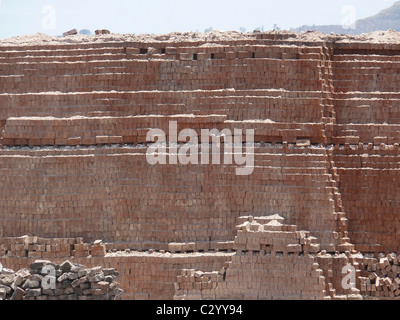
[22,17]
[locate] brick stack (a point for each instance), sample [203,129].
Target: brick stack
[48,248]
[73,126]
[272,261]
[48,281]
[383,278]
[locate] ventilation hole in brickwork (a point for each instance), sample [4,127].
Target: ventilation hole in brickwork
[163,51]
[279,254]
[212,56]
[244,252]
[195,56]
[255,252]
[253,55]
[143,51]
[223,250]
[290,254]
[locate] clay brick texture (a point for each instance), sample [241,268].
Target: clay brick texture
[324,193]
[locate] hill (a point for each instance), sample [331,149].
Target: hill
[388,19]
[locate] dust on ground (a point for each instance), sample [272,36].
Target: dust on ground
[389,36]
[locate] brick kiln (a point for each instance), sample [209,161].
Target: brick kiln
[324,194]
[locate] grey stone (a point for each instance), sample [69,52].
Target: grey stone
[77,268]
[48,292]
[63,277]
[96,278]
[7,288]
[110,272]
[33,292]
[94,271]
[3,293]
[72,275]
[69,290]
[21,276]
[85,285]
[39,264]
[66,266]
[67,284]
[7,279]
[36,277]
[18,294]
[82,273]
[31,284]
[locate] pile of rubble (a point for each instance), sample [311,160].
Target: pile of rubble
[48,281]
[384,278]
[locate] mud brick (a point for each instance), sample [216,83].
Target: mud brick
[7,142]
[175,247]
[379,140]
[313,92]
[81,246]
[131,50]
[21,142]
[102,140]
[142,296]
[171,50]
[48,255]
[115,139]
[35,142]
[73,141]
[188,246]
[61,142]
[202,246]
[185,56]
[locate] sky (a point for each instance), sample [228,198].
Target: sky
[24,17]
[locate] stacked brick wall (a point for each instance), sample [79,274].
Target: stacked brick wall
[217,68]
[134,130]
[142,275]
[276,105]
[74,120]
[103,184]
[273,261]
[369,187]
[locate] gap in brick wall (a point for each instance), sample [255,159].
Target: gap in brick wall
[2,125]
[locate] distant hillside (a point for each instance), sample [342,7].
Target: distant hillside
[388,19]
